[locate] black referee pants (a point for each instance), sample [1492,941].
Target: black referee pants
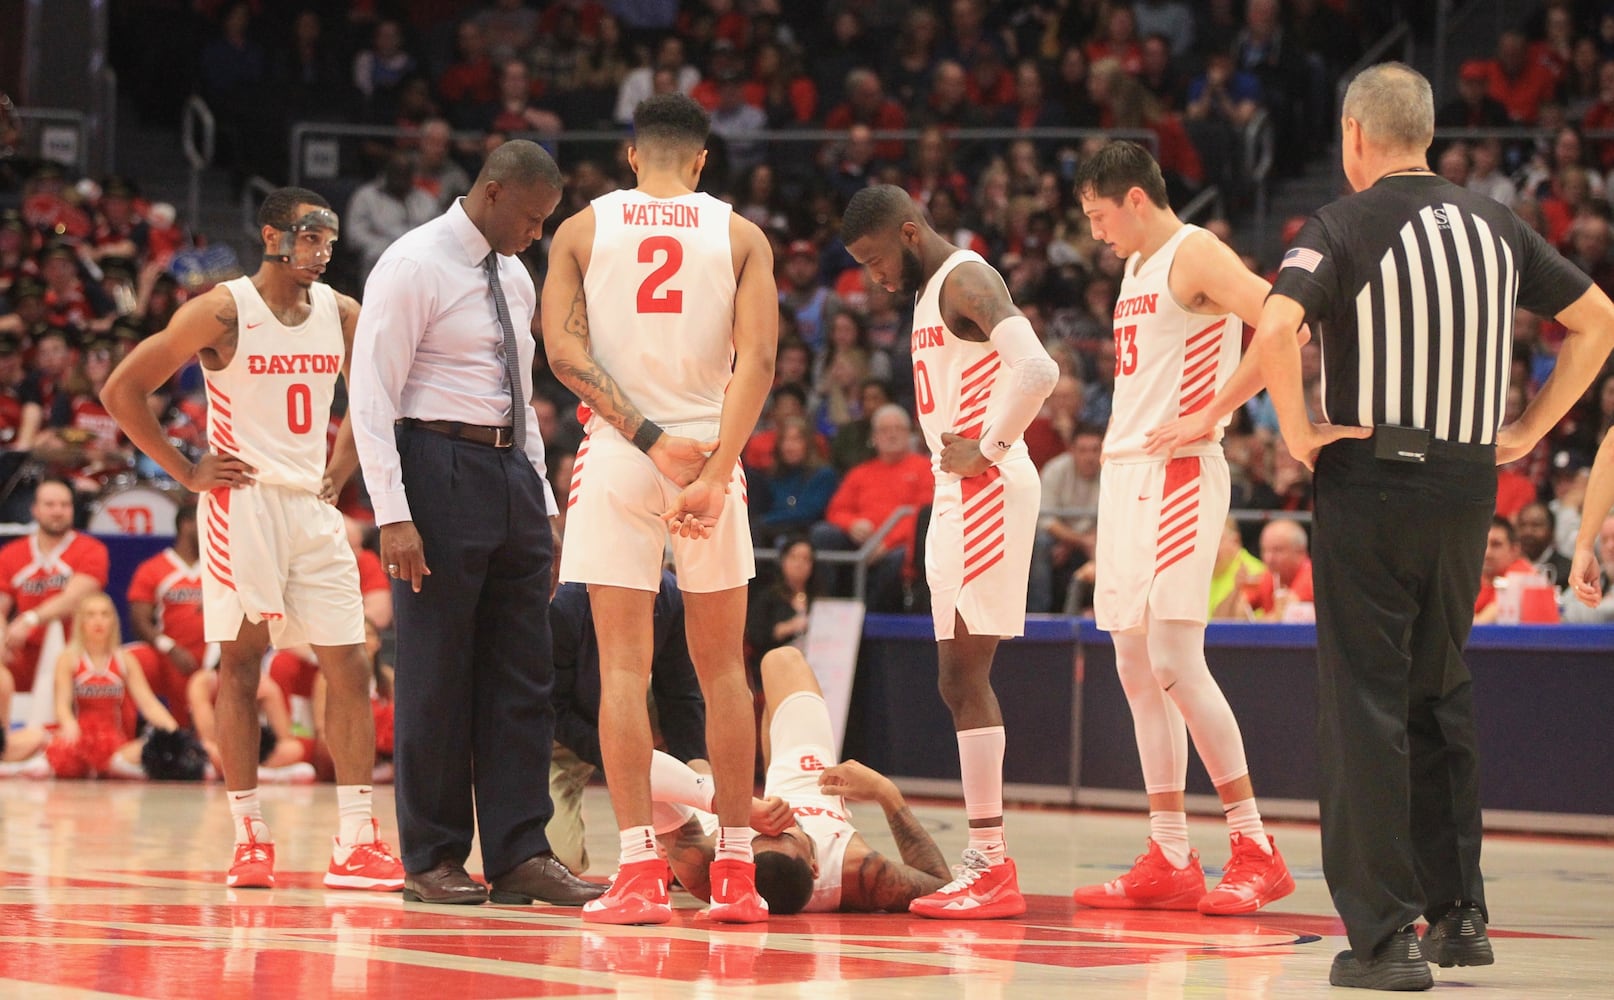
[1397,553]
[474,670]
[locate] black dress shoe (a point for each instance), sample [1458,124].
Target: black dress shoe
[542,878]
[1458,938]
[1397,964]
[447,883]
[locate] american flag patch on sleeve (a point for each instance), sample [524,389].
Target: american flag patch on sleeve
[1303,258]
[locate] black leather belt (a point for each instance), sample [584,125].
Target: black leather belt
[1456,451]
[496,437]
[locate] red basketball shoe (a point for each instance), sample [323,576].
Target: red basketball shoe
[979,890]
[254,864]
[638,895]
[1252,879]
[1152,884]
[368,865]
[735,899]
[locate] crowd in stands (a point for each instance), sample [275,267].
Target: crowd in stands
[88,268]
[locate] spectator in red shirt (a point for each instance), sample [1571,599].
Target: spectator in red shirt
[991,85]
[895,477]
[1520,83]
[69,300]
[1119,41]
[866,104]
[20,412]
[82,442]
[1287,580]
[788,404]
[788,95]
[373,583]
[469,80]
[119,231]
[165,611]
[1473,107]
[933,169]
[1502,556]
[44,576]
[1600,116]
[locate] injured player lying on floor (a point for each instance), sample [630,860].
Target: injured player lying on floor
[809,856]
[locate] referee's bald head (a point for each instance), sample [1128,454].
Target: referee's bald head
[1393,106]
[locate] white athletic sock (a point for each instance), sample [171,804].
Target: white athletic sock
[638,844]
[734,843]
[1169,831]
[989,841]
[244,805]
[355,817]
[1244,819]
[980,763]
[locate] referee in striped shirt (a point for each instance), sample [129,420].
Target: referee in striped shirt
[1411,284]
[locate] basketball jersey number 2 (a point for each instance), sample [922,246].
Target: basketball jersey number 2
[672,301]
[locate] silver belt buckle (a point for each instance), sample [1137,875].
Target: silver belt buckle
[503,437]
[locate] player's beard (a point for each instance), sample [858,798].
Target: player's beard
[913,271]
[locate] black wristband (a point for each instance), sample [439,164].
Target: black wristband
[646,436]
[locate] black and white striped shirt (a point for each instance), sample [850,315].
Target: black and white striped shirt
[1411,286]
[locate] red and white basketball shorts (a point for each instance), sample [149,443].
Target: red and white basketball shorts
[1159,525]
[978,550]
[614,533]
[280,555]
[803,743]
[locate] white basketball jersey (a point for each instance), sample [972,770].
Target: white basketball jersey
[660,288]
[271,404]
[825,820]
[952,378]
[1169,362]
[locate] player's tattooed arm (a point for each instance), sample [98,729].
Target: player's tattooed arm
[882,884]
[974,299]
[564,327]
[914,843]
[580,373]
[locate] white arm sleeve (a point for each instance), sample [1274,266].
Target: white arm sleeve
[671,780]
[1029,375]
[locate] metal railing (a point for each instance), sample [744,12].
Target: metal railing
[48,135]
[328,156]
[107,120]
[253,192]
[860,559]
[1510,133]
[1259,141]
[197,134]
[1208,200]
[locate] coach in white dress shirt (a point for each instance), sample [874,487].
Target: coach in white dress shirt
[449,443]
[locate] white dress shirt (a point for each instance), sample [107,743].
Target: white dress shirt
[429,346]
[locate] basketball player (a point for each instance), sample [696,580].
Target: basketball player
[1177,339]
[661,313]
[277,563]
[165,610]
[816,861]
[980,376]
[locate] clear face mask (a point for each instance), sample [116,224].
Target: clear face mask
[309,241]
